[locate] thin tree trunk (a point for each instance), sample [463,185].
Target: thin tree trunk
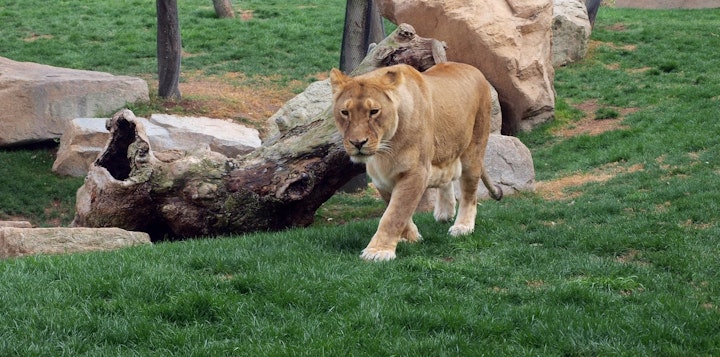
[223,9]
[169,49]
[363,26]
[279,185]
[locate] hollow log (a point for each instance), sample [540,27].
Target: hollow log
[174,195]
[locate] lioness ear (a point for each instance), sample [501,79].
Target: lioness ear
[337,79]
[393,78]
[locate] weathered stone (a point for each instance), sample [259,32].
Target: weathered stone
[198,133]
[317,98]
[508,40]
[509,163]
[15,224]
[17,242]
[85,139]
[301,109]
[80,145]
[38,100]
[571,31]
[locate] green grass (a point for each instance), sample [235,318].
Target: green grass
[285,39]
[29,191]
[628,266]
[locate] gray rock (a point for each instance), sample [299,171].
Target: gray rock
[197,133]
[80,145]
[37,101]
[301,109]
[509,163]
[571,31]
[18,242]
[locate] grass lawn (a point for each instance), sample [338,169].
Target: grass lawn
[615,254]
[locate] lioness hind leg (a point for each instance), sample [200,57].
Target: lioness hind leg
[445,204]
[465,220]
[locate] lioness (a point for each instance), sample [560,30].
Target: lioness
[416,130]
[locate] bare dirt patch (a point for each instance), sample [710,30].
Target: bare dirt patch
[34,37]
[591,126]
[556,189]
[594,44]
[229,97]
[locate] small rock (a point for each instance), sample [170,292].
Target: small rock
[15,224]
[18,242]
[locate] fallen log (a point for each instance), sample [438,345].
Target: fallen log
[173,195]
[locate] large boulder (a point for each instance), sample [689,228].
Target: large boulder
[509,40]
[37,101]
[571,31]
[85,138]
[18,242]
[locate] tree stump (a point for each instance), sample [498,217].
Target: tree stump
[175,195]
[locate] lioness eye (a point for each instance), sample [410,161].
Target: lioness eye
[374,111]
[344,112]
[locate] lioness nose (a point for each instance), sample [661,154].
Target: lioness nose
[358,143]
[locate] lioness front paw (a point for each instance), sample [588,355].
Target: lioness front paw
[372,254]
[460,230]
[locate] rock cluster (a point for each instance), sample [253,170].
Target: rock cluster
[85,138]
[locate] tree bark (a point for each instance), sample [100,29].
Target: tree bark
[223,9]
[169,49]
[363,27]
[281,184]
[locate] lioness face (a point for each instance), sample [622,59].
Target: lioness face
[364,115]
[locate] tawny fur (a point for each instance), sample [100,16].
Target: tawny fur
[416,130]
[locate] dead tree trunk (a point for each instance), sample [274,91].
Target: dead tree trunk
[281,184]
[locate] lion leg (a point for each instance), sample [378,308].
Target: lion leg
[396,221]
[465,221]
[445,204]
[469,180]
[410,233]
